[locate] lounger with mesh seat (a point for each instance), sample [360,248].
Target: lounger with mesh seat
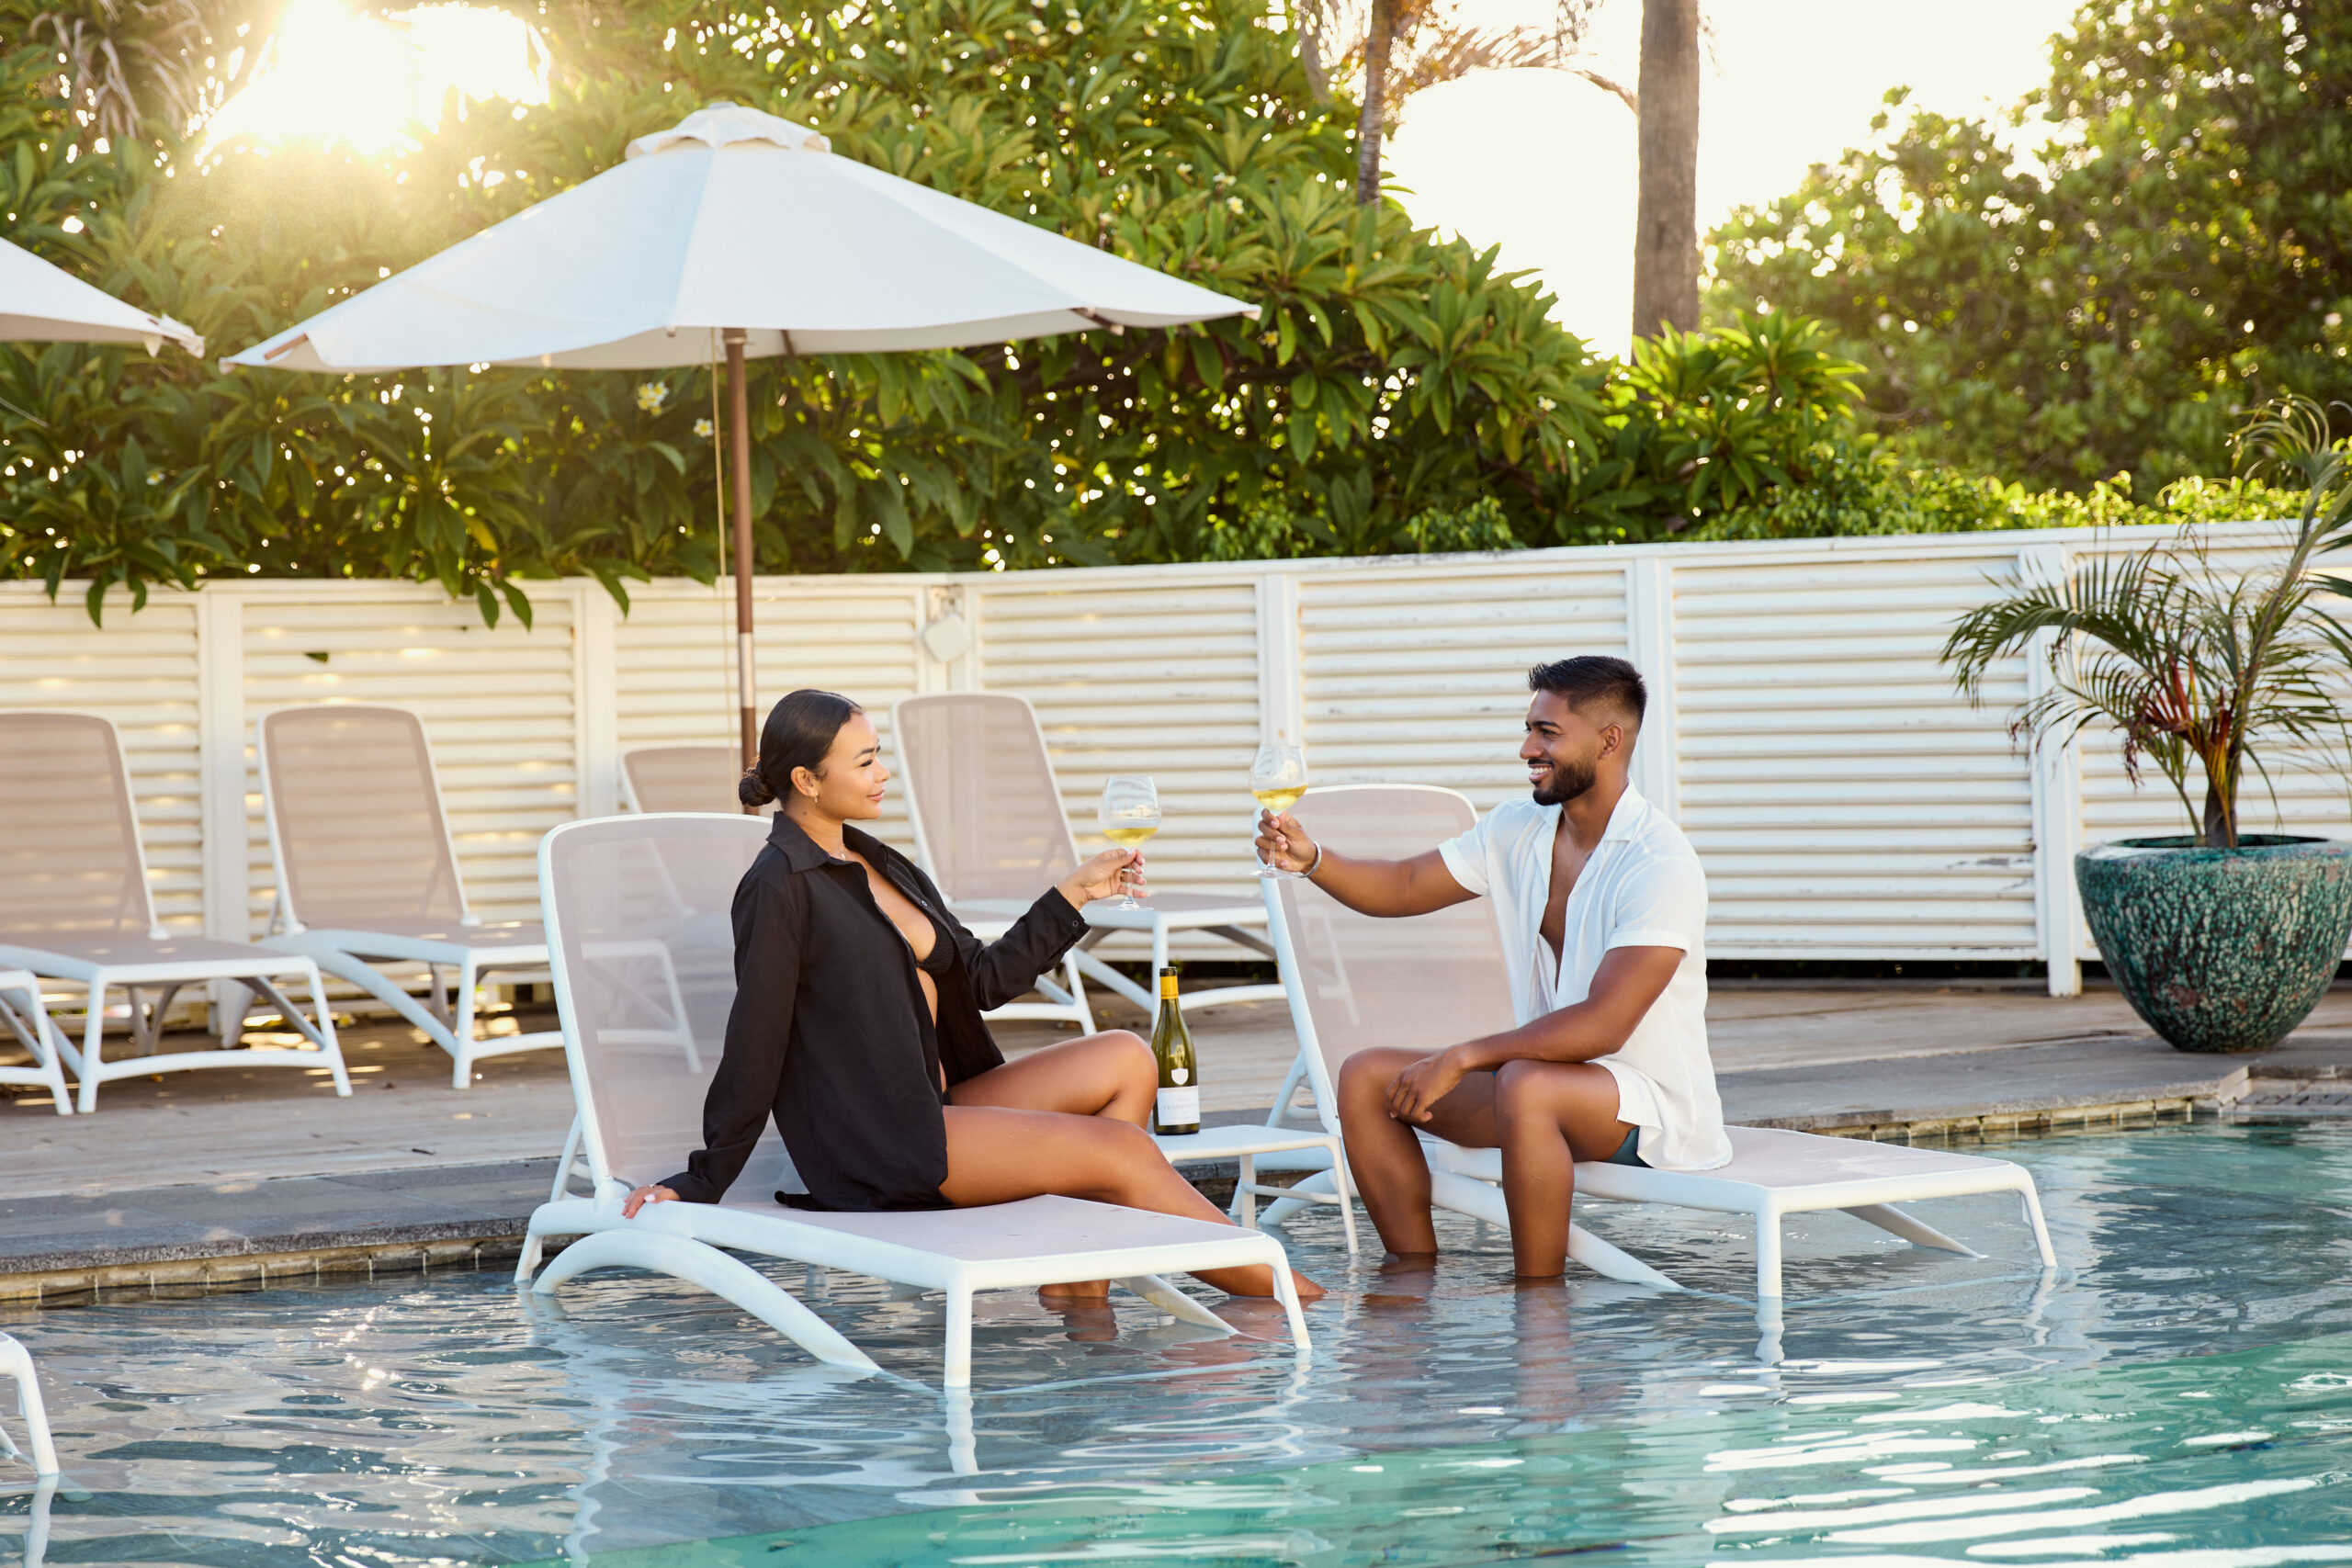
[614,887]
[1433,980]
[368,873]
[682,778]
[76,906]
[26,1021]
[989,827]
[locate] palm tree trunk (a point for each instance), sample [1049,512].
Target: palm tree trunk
[1378,36]
[1665,232]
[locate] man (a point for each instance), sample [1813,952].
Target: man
[1602,909]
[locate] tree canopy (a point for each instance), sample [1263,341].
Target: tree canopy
[2171,255]
[1397,392]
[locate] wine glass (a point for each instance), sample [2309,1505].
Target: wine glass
[1130,814]
[1278,777]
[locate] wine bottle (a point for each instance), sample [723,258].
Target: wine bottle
[1178,1107]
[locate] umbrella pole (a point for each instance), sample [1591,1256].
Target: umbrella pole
[739,430]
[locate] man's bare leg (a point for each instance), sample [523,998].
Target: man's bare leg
[1384,1158]
[997,1155]
[1547,1116]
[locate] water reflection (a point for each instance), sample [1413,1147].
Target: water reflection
[1908,1404]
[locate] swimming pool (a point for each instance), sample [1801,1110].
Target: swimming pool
[2182,1397]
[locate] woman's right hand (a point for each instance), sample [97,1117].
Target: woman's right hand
[1283,843]
[644,1195]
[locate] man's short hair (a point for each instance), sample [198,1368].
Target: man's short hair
[1593,679]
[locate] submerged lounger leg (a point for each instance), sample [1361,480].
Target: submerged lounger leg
[1176,1304]
[958,1373]
[723,1276]
[2033,1217]
[1887,1217]
[17,1362]
[1767,1255]
[1282,1209]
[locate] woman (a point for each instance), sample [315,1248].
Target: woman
[857,1023]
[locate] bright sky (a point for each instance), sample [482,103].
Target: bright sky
[1543,163]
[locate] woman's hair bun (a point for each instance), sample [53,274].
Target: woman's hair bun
[753,790]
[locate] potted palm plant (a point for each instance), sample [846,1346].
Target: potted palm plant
[2221,940]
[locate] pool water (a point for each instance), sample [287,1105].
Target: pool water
[2180,1395]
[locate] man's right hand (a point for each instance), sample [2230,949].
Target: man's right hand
[1283,843]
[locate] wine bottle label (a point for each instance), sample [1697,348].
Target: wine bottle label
[1177,1108]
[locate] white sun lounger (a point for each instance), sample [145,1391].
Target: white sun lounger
[16,1363]
[24,1017]
[990,829]
[74,904]
[367,873]
[682,778]
[615,890]
[1435,980]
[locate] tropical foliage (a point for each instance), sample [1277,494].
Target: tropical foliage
[1397,392]
[2197,669]
[2173,253]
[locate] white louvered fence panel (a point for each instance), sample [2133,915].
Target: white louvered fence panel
[675,680]
[1419,676]
[141,671]
[1136,672]
[496,701]
[1845,800]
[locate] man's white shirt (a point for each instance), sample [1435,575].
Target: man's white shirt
[1641,888]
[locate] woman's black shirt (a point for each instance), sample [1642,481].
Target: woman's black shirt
[829,1033]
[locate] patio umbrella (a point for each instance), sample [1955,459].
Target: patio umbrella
[41,303]
[742,233]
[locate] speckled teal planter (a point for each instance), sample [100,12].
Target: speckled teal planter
[2219,950]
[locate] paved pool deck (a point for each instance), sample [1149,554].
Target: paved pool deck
[223,1177]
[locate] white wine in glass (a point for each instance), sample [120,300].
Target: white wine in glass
[1277,778]
[1129,817]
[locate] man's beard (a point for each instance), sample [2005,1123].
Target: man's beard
[1566,781]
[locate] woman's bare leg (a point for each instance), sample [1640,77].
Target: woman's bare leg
[1548,1115]
[1111,1074]
[998,1156]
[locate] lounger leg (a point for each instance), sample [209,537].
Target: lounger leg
[17,1361]
[370,979]
[720,1275]
[1887,1217]
[462,1027]
[2033,1217]
[319,1031]
[1290,1080]
[31,1029]
[1176,1304]
[534,1248]
[1345,1189]
[563,1165]
[1282,1209]
[1245,1194]
[958,1371]
[90,1067]
[1286,1291]
[1768,1255]
[1078,995]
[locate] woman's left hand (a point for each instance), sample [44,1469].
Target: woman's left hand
[1105,877]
